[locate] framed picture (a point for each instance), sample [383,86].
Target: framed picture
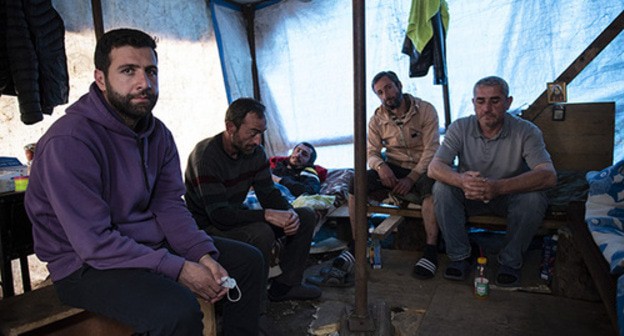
[557,92]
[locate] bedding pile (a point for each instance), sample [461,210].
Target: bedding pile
[604,215]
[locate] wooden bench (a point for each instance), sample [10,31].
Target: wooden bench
[597,265]
[397,213]
[40,312]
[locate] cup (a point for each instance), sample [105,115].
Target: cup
[21,183]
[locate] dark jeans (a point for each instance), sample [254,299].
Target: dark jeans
[262,235]
[153,304]
[524,213]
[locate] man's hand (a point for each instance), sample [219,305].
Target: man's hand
[202,280]
[403,186]
[288,220]
[387,177]
[476,187]
[492,189]
[276,178]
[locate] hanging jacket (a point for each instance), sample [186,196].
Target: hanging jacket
[425,39]
[33,65]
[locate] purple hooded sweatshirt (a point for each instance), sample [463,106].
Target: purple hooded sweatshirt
[103,195]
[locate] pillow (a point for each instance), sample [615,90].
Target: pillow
[316,202]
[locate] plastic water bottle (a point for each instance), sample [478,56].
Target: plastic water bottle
[549,252]
[481,282]
[373,251]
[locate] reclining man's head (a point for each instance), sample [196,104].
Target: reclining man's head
[302,155]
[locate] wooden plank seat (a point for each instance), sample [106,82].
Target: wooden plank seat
[40,312]
[414,211]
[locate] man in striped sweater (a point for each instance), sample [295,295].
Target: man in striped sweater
[220,172]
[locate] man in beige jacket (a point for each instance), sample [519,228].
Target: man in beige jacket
[405,127]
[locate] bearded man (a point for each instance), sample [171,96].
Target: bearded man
[403,136]
[297,171]
[105,202]
[220,172]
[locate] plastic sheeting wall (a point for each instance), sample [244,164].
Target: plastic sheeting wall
[304,53]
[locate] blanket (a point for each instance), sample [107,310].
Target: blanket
[604,215]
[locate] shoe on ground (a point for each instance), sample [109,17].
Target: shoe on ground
[332,277]
[299,292]
[425,268]
[508,277]
[458,270]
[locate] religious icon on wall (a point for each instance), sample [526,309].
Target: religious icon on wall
[557,92]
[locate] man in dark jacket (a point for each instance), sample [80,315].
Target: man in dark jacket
[105,201]
[297,172]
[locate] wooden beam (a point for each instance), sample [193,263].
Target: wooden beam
[607,35]
[386,227]
[98,22]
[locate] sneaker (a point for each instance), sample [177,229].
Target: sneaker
[299,292]
[344,262]
[332,277]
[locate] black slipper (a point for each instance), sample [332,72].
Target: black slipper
[457,270]
[508,277]
[425,268]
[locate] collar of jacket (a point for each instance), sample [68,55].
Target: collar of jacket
[386,116]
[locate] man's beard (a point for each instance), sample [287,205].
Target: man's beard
[394,103]
[125,107]
[242,150]
[295,163]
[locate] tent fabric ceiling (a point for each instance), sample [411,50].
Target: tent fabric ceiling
[305,61]
[296,55]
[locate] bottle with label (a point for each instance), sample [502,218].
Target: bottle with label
[549,251]
[481,282]
[373,251]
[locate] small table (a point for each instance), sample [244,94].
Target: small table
[15,240]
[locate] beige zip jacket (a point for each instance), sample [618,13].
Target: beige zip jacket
[411,145]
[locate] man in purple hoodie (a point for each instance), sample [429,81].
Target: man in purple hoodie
[105,201]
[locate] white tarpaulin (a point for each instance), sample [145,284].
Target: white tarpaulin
[305,60]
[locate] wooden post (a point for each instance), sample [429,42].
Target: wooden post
[98,23]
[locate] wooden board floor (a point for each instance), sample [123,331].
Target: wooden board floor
[442,307]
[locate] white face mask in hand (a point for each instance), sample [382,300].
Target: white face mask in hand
[230,283]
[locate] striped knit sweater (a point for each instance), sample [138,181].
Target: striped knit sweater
[217,185]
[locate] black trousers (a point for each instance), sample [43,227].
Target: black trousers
[153,304]
[422,187]
[262,235]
